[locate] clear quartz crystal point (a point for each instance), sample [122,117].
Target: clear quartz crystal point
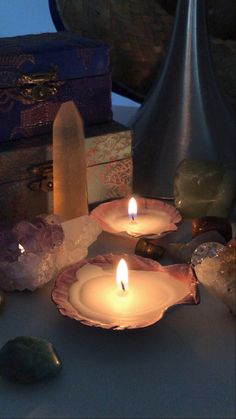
[218,275]
[206,250]
[79,234]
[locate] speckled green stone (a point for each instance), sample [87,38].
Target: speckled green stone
[28,359]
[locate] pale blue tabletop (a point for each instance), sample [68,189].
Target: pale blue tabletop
[181,367]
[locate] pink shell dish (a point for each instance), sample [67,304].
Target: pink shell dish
[180,272]
[104,212]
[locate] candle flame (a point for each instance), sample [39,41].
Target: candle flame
[21,248]
[132,208]
[122,275]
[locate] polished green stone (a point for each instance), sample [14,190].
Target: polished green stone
[28,359]
[204,188]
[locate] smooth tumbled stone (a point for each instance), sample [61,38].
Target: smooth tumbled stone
[28,359]
[204,187]
[208,223]
[232,243]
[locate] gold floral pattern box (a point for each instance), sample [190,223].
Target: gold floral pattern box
[26,170]
[40,72]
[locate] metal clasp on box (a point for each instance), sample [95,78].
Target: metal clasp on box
[38,86]
[44,176]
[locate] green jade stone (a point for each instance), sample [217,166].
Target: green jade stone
[204,188]
[28,359]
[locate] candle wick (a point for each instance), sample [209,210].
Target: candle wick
[132,219]
[122,285]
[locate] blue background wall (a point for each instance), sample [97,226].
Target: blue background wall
[19,17]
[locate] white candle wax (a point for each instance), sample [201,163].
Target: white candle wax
[148,221]
[95,296]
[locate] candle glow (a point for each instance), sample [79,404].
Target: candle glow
[137,218]
[94,295]
[132,208]
[122,275]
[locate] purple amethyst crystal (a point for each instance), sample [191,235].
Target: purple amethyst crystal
[28,253]
[42,234]
[9,250]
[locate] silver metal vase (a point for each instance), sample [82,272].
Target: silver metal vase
[184,115]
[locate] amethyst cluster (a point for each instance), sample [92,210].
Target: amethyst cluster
[43,234]
[28,251]
[9,249]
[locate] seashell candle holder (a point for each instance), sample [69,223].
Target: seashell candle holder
[136,295]
[143,217]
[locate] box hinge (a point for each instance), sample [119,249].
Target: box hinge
[43,173]
[38,87]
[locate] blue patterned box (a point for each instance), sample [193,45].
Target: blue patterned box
[39,72]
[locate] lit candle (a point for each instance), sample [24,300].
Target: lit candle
[98,298]
[122,276]
[141,218]
[145,222]
[132,209]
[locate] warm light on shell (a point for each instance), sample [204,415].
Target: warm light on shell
[103,214]
[66,278]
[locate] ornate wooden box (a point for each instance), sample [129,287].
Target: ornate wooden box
[39,72]
[26,170]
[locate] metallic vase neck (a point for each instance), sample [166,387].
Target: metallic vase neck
[184,115]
